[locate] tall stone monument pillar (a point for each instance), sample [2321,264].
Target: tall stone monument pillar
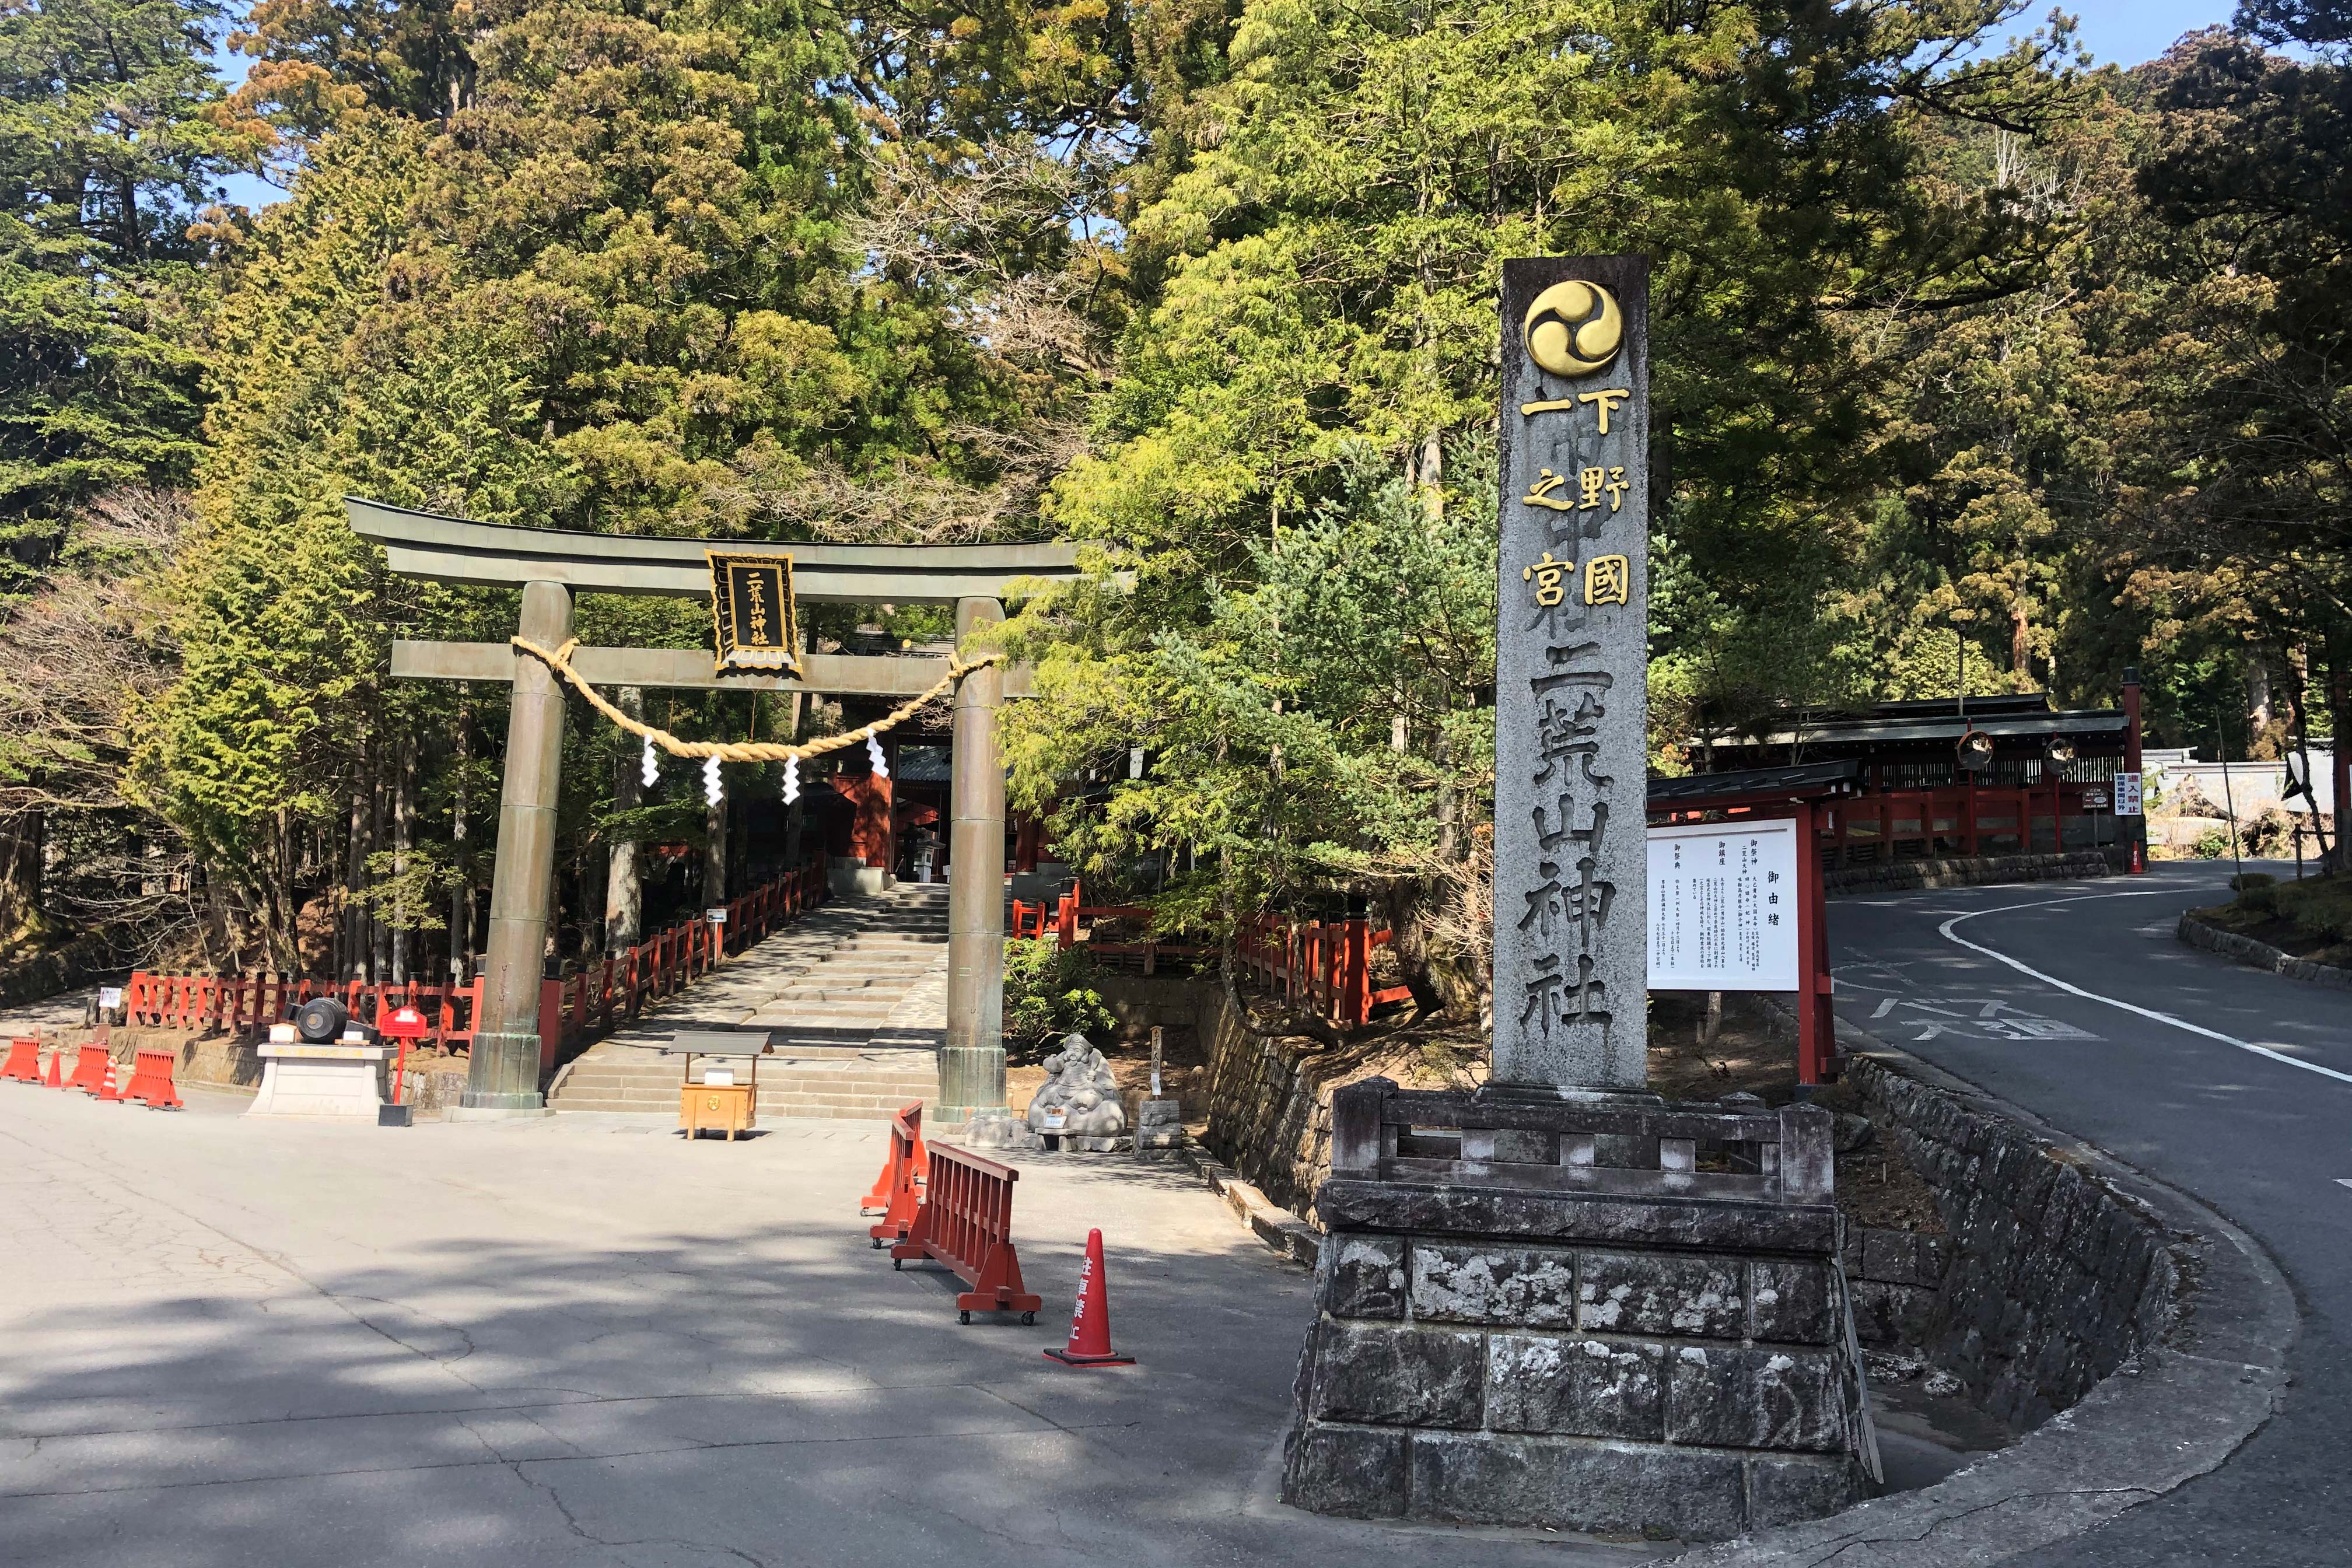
[1571,702]
[502,1077]
[1561,1301]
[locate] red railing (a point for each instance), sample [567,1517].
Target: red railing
[571,1011]
[1321,966]
[246,1005]
[1325,967]
[1067,918]
[1963,819]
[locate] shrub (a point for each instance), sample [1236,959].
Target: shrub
[2269,836]
[1049,992]
[2211,845]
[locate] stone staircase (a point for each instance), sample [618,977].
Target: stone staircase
[854,998]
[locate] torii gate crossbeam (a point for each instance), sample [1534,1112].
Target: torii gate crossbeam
[551,566]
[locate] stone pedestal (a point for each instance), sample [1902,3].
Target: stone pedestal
[1159,1124]
[1510,1330]
[341,1080]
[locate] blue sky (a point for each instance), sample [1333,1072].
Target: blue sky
[2127,32]
[2124,32]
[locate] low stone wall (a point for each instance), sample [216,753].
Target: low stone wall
[84,959]
[1898,876]
[2053,1278]
[2261,955]
[1270,1104]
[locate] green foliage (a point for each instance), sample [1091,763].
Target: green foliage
[1049,992]
[1272,724]
[106,155]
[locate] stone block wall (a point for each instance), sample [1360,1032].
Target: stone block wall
[1891,876]
[79,961]
[1893,1276]
[2053,1278]
[1602,1388]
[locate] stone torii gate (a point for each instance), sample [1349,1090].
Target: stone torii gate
[550,565]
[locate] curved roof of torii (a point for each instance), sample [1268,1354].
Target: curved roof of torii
[489,554]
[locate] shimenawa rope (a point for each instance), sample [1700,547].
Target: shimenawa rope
[560,661]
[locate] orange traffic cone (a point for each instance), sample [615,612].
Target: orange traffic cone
[55,1079]
[1090,1320]
[112,1087]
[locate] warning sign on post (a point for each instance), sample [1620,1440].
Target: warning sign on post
[2127,794]
[1723,907]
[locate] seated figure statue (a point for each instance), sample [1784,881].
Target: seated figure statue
[1080,1085]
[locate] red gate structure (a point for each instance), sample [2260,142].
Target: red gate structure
[966,1223]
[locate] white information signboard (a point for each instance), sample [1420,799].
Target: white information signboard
[2127,794]
[1723,907]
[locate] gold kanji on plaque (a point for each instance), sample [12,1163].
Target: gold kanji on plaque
[752,612]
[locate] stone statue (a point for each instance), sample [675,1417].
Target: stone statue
[1081,1086]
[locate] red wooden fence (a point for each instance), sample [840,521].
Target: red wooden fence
[1324,967]
[570,1011]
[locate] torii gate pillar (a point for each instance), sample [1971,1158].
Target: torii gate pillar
[502,1077]
[972,1064]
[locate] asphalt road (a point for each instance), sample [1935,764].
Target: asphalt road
[2075,999]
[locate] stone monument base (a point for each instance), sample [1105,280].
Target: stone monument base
[337,1079]
[1507,1333]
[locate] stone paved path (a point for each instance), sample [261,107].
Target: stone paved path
[853,995]
[581,1342]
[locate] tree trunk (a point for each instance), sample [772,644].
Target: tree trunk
[355,873]
[20,870]
[461,896]
[714,854]
[2260,713]
[2020,641]
[1409,939]
[378,836]
[403,789]
[2339,699]
[625,897]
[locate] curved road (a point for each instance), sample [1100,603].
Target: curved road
[2075,999]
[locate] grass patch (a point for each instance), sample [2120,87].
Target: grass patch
[2310,919]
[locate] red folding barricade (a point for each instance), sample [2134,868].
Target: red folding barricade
[90,1069]
[24,1061]
[898,1192]
[966,1223]
[150,1080]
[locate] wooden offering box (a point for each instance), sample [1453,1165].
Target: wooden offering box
[730,1108]
[727,1106]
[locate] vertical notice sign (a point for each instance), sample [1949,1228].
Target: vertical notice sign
[1571,708]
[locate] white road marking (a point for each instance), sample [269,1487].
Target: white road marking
[1945,931]
[2344,1181]
[1885,1007]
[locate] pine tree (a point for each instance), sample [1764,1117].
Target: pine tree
[106,155]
